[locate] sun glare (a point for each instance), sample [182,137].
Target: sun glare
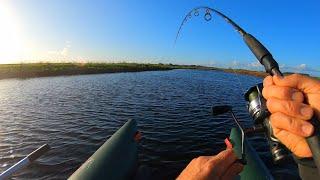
[10,41]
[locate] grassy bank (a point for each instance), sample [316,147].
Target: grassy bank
[58,69]
[30,70]
[247,72]
[235,71]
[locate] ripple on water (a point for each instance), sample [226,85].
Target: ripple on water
[75,115]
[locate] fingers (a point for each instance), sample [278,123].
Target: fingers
[296,144]
[284,93]
[201,160]
[221,162]
[285,100]
[296,126]
[212,167]
[303,83]
[268,81]
[228,143]
[234,170]
[290,108]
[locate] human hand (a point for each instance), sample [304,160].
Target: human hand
[221,166]
[289,114]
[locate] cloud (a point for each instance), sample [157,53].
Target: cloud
[68,42]
[238,64]
[254,64]
[212,63]
[235,63]
[64,52]
[302,67]
[281,66]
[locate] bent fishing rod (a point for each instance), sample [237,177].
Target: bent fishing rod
[256,103]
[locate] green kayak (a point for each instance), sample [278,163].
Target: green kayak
[117,158]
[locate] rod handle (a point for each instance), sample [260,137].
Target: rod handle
[261,53]
[314,142]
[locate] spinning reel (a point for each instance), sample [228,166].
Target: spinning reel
[256,102]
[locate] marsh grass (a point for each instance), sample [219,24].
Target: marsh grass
[56,69]
[30,70]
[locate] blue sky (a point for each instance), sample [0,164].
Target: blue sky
[144,31]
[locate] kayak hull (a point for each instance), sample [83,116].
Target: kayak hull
[116,159]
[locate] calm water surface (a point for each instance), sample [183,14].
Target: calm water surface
[76,114]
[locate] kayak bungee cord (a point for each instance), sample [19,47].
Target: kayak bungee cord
[256,103]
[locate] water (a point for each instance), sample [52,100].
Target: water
[76,114]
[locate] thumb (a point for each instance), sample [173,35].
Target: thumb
[303,83]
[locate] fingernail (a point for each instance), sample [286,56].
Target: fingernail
[295,96]
[268,102]
[307,129]
[306,111]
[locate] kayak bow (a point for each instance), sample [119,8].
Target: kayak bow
[116,159]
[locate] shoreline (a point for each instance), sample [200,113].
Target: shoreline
[34,70]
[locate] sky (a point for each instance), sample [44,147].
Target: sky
[145,30]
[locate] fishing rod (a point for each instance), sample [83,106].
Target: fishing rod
[261,53]
[256,103]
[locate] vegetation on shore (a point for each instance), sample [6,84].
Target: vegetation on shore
[59,69]
[247,72]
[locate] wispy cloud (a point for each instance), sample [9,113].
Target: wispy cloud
[64,52]
[235,63]
[281,66]
[302,67]
[254,64]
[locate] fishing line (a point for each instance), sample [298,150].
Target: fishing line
[208,17]
[241,86]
